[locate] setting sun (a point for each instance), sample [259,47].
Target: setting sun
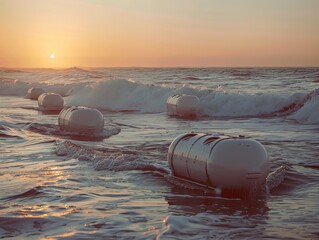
[159,119]
[159,33]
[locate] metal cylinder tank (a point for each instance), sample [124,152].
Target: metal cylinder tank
[50,101]
[226,162]
[183,105]
[82,120]
[35,92]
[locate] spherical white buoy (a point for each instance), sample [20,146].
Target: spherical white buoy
[50,101]
[81,120]
[225,162]
[35,92]
[183,105]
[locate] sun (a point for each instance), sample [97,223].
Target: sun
[52,56]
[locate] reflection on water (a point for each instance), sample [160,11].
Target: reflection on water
[193,204]
[53,186]
[191,213]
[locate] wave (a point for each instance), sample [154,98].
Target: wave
[6,131]
[308,113]
[128,159]
[70,75]
[17,82]
[121,95]
[51,129]
[109,159]
[191,77]
[29,223]
[4,70]
[31,193]
[76,69]
[13,87]
[243,73]
[124,95]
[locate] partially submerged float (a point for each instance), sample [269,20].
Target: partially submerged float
[50,102]
[34,93]
[183,105]
[81,120]
[79,123]
[227,163]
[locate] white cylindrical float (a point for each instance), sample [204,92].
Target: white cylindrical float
[35,92]
[81,120]
[219,161]
[183,105]
[50,102]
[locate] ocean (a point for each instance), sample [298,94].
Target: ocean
[56,186]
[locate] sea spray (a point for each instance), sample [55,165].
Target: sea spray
[108,159]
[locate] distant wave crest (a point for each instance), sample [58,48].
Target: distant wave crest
[124,95]
[91,89]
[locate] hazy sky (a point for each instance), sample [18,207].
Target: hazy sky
[107,33]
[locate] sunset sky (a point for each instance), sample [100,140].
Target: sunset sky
[125,33]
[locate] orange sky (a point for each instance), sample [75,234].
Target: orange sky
[124,33]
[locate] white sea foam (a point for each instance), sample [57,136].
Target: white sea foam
[309,112]
[223,104]
[51,129]
[10,87]
[124,95]
[75,196]
[108,159]
[92,89]
[17,82]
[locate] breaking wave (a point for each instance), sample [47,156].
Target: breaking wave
[124,95]
[16,82]
[91,88]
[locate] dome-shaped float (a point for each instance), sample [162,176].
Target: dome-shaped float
[219,161]
[82,120]
[183,105]
[34,93]
[50,102]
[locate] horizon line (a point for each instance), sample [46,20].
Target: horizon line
[57,68]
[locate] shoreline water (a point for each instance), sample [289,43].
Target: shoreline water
[125,192]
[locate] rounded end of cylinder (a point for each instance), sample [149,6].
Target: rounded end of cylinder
[51,101]
[35,92]
[238,164]
[188,105]
[183,105]
[81,119]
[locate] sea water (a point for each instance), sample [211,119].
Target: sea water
[56,186]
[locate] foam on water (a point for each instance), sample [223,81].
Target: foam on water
[121,187]
[52,130]
[128,160]
[124,95]
[109,160]
[92,89]
[12,87]
[309,113]
[17,82]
